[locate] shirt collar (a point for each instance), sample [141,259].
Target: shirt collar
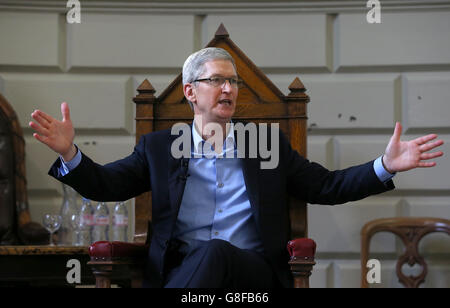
[228,145]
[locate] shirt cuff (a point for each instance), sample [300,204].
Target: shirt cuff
[66,167]
[381,173]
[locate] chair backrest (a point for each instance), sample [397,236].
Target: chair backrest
[259,100]
[13,193]
[411,230]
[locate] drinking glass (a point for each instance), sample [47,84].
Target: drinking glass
[75,221]
[52,223]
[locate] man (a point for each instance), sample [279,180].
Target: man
[219,222]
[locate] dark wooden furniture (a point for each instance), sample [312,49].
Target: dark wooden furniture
[41,266]
[15,222]
[259,101]
[22,263]
[411,230]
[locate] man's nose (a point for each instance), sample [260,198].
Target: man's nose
[226,86]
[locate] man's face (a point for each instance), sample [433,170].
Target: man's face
[214,104]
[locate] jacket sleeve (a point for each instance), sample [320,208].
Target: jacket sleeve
[116,181]
[315,184]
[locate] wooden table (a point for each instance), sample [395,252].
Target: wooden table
[42,265]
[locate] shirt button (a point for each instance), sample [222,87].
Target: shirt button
[220,210]
[220,185]
[216,233]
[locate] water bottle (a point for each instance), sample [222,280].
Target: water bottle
[69,207]
[120,222]
[86,223]
[101,223]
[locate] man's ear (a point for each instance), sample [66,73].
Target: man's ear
[189,92]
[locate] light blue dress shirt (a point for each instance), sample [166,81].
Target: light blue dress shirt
[66,167]
[215,203]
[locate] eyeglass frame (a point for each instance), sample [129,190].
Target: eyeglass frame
[225,79]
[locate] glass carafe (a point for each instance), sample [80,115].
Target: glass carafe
[69,207]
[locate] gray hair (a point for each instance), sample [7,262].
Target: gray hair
[193,67]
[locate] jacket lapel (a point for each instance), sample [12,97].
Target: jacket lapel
[250,170]
[176,183]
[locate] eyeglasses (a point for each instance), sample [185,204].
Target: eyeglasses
[220,81]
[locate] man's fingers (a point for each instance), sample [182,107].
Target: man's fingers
[40,138]
[40,129]
[65,111]
[36,135]
[397,132]
[426,164]
[426,156]
[424,139]
[429,146]
[43,115]
[40,119]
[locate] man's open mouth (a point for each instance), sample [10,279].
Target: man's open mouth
[225,102]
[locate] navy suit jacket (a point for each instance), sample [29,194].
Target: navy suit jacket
[152,167]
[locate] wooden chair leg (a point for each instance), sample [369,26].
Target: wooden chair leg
[137,276]
[301,270]
[102,274]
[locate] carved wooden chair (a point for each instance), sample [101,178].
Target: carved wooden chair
[259,101]
[411,230]
[16,226]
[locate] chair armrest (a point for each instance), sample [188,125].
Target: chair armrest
[111,251]
[117,261]
[302,248]
[302,252]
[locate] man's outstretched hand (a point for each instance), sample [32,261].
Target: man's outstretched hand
[57,135]
[407,155]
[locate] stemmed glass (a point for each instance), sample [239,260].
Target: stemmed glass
[52,223]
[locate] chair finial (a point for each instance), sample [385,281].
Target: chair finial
[146,87]
[145,93]
[297,91]
[297,86]
[222,31]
